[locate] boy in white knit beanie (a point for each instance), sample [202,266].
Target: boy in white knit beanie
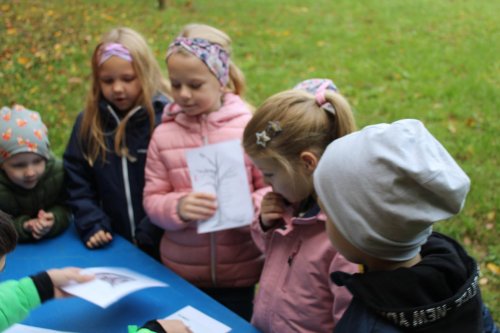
[382,189]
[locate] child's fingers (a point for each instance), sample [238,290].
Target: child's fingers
[204,196]
[198,213]
[42,228]
[99,239]
[197,206]
[273,196]
[174,325]
[201,208]
[40,233]
[272,216]
[38,228]
[91,244]
[202,199]
[61,277]
[272,207]
[28,226]
[270,219]
[48,223]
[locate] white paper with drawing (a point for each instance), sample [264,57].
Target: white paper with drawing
[220,169]
[198,322]
[110,284]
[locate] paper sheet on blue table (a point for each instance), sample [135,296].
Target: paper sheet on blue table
[220,169]
[110,284]
[198,322]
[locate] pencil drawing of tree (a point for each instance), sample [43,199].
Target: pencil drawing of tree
[220,177]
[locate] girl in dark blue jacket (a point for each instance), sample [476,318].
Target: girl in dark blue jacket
[106,153]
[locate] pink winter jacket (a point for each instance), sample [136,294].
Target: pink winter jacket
[227,258]
[295,292]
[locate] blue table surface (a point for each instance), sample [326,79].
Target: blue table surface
[77,315]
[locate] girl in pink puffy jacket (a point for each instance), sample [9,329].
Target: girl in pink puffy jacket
[207,109]
[285,139]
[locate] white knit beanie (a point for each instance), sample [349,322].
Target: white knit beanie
[384,186]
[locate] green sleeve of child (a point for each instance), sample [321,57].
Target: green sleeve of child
[17,299]
[152,326]
[136,329]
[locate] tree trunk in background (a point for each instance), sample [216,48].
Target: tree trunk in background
[161,4]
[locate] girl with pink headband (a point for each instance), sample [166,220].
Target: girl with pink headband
[208,108]
[285,139]
[106,154]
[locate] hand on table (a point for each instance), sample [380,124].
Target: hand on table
[99,239]
[174,326]
[40,225]
[43,224]
[61,277]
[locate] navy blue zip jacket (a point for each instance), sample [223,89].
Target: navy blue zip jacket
[108,195]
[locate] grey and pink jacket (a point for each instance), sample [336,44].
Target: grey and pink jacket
[295,291]
[227,258]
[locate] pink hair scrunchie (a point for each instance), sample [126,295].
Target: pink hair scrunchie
[318,87]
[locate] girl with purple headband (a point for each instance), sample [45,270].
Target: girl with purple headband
[106,154]
[285,139]
[208,108]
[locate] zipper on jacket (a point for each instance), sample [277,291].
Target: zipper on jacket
[294,253]
[213,241]
[203,129]
[126,182]
[213,256]
[130,209]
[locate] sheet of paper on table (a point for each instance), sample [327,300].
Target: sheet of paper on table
[220,169]
[198,322]
[110,285]
[19,328]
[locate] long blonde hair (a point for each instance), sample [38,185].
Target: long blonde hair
[236,82]
[152,82]
[304,126]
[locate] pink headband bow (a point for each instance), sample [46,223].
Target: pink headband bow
[114,49]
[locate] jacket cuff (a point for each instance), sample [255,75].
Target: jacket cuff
[154,326]
[44,286]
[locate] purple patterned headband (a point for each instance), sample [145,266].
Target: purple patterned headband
[114,49]
[213,55]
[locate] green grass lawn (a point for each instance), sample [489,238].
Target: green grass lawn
[435,60]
